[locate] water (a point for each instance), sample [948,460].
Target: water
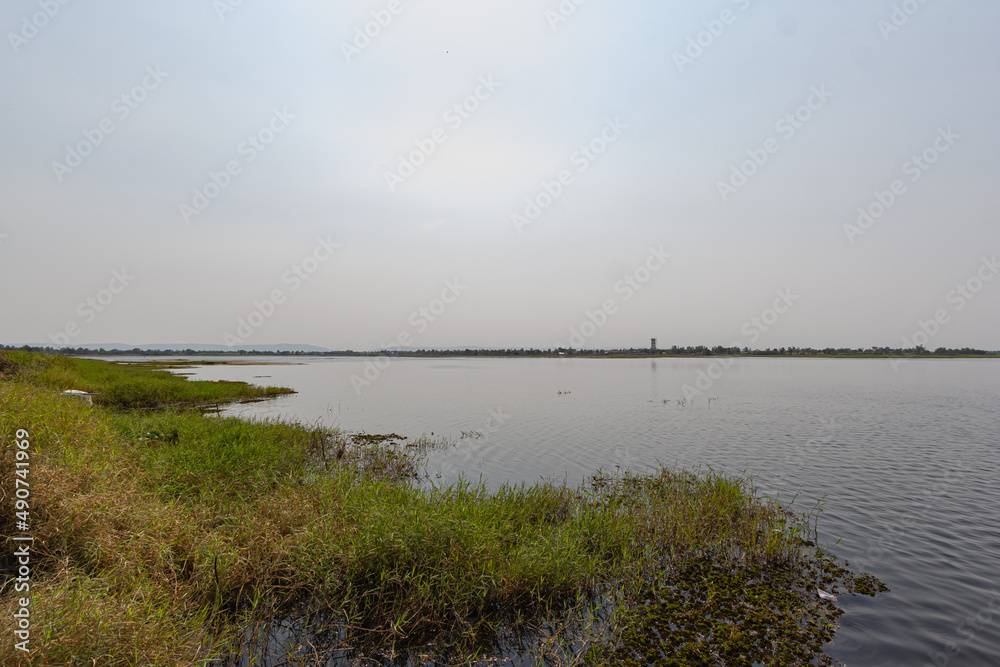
[906,460]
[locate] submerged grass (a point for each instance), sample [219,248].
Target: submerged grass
[168,537]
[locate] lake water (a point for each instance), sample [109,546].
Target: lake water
[906,459]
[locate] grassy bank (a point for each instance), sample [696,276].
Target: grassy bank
[125,386]
[163,536]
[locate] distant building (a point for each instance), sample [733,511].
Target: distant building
[652,345]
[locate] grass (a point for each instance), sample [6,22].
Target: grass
[126,386]
[164,536]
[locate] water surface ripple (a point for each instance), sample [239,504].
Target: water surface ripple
[906,463]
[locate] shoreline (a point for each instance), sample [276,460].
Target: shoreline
[462,355]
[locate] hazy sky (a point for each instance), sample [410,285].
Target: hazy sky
[183,165]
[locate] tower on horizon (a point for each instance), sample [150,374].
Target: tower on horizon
[652,345]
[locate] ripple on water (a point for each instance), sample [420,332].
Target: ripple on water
[931,429]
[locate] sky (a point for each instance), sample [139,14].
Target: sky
[500,173]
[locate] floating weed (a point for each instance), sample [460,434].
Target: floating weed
[425,442]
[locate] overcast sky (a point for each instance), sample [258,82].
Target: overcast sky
[169,169]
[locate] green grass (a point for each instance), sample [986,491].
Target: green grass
[193,458]
[126,386]
[166,537]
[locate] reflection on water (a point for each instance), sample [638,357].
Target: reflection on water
[906,463]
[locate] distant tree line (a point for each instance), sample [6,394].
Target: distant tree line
[723,351]
[674,351]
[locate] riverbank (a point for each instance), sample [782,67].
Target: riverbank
[162,535]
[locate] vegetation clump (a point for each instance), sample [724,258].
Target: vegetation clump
[704,611]
[167,536]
